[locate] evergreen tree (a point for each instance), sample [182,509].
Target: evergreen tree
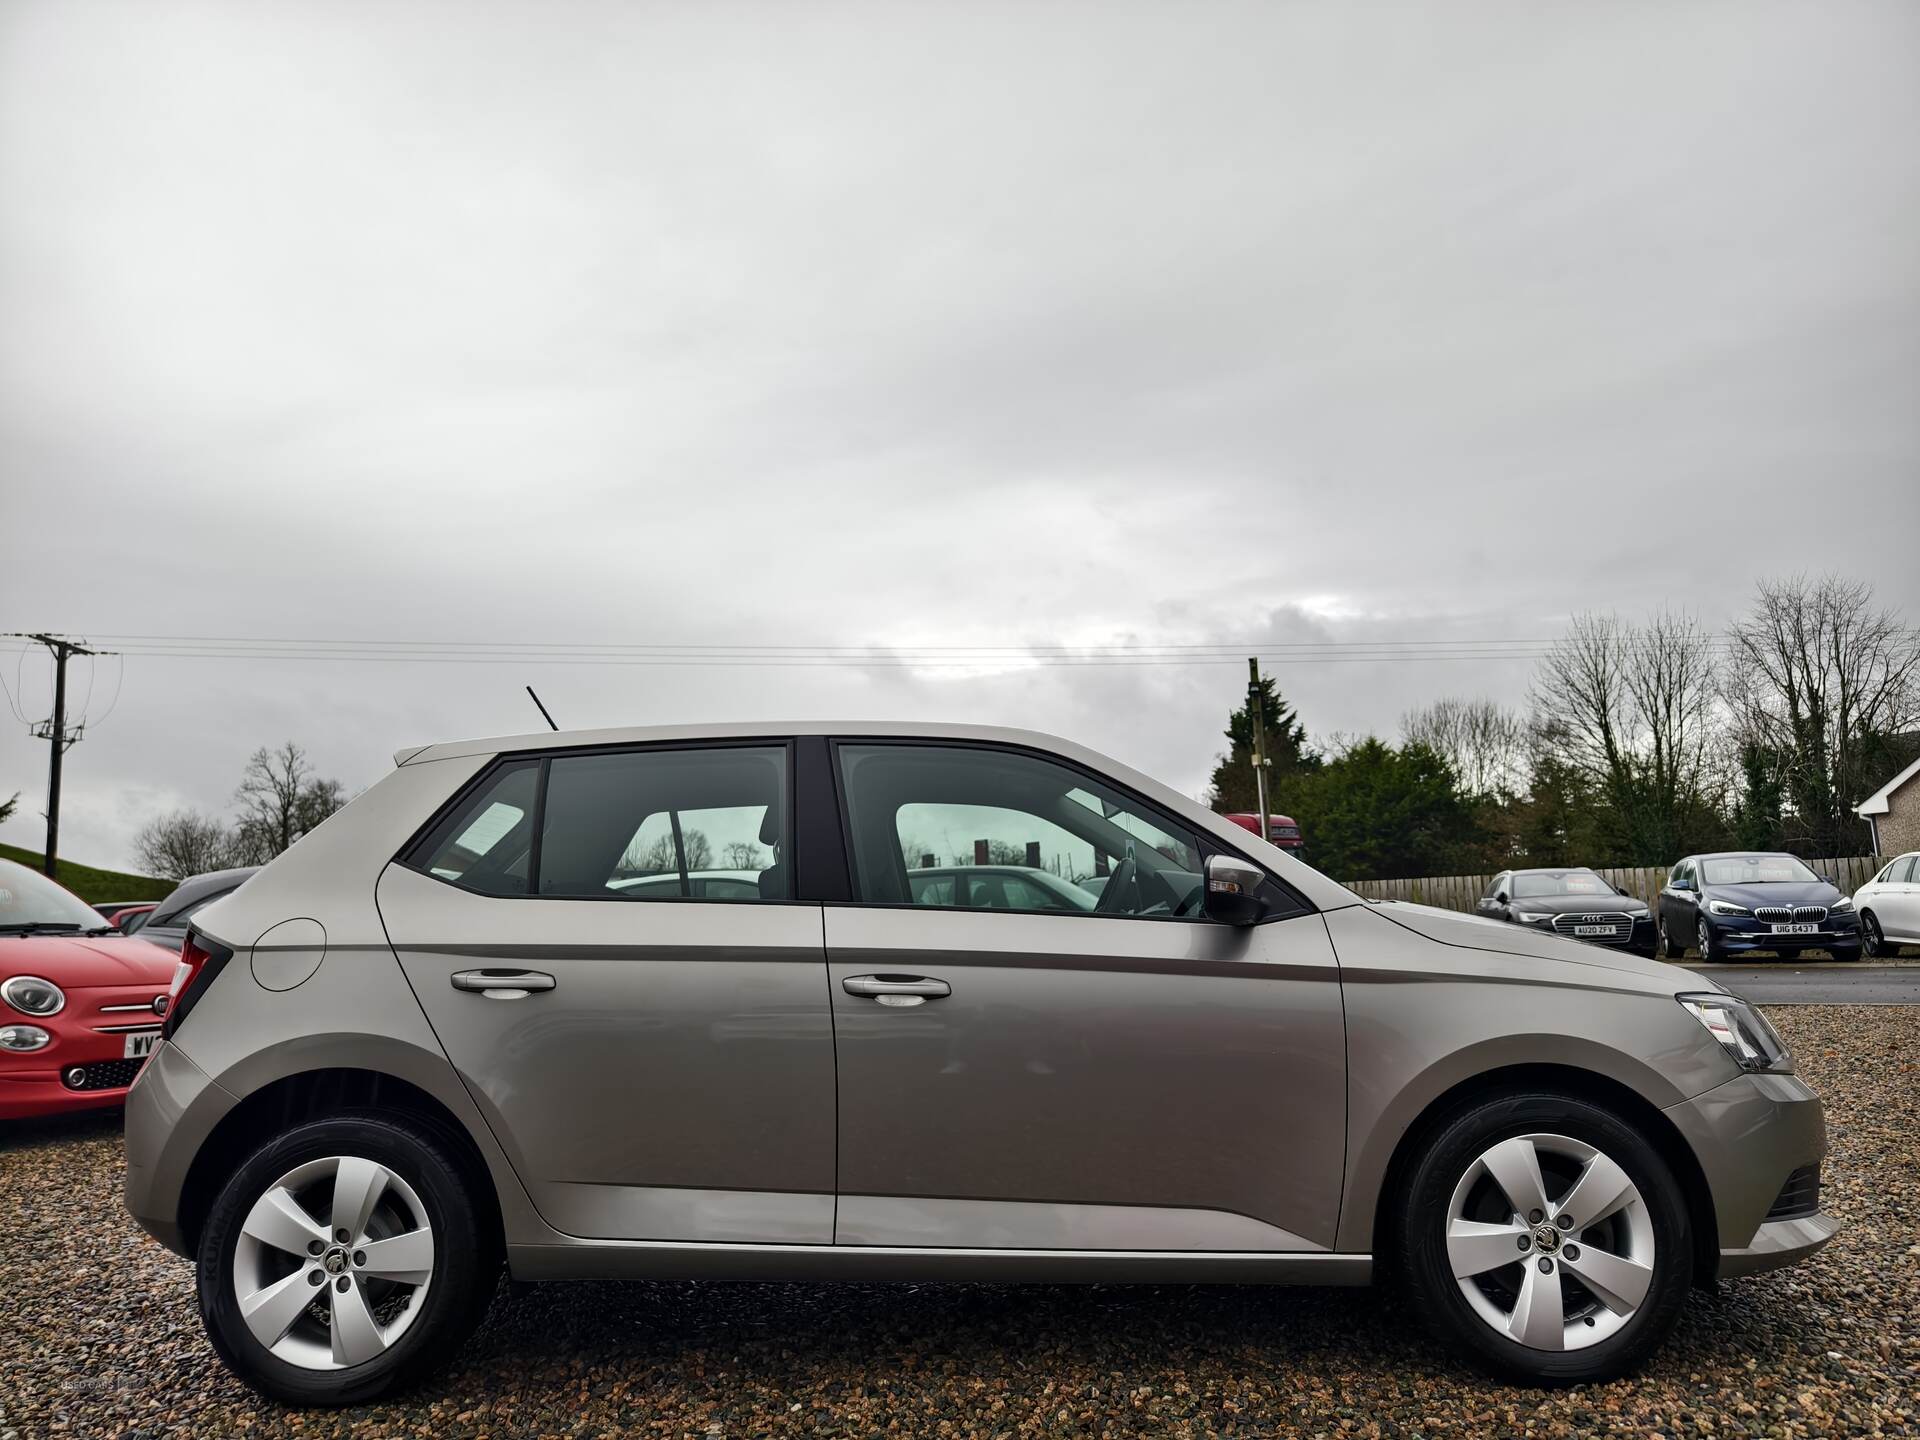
[1288,754]
[1377,813]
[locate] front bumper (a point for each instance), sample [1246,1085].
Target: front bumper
[33,1083]
[1737,934]
[1778,1243]
[1749,1136]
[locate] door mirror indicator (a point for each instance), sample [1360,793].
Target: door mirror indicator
[1232,890]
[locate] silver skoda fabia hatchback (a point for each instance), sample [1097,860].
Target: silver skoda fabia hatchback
[901,1002]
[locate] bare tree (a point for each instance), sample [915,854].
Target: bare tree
[183,843]
[280,799]
[1485,744]
[699,849]
[743,855]
[1633,709]
[1820,680]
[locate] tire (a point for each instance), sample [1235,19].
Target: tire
[1643,1247]
[1710,952]
[1669,950]
[1873,940]
[406,1179]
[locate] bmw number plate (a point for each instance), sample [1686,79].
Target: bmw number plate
[1799,927]
[1593,929]
[141,1045]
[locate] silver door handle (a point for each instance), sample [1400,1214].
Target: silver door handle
[502,984]
[877,987]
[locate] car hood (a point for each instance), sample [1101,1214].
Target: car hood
[1580,904]
[1450,927]
[1816,892]
[80,962]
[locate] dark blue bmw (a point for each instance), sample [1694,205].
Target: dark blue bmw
[1738,901]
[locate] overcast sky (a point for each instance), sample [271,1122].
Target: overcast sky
[920,325]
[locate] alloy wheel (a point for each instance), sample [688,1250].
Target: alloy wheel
[1871,940]
[1706,942]
[332,1263]
[1551,1242]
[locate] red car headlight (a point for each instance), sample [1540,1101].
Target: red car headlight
[31,995]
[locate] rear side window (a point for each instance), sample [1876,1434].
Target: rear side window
[485,843]
[1905,870]
[667,825]
[631,825]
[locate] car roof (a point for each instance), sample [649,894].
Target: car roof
[1555,870]
[194,886]
[769,730]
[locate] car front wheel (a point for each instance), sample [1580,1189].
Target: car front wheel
[1545,1238]
[1872,941]
[342,1259]
[1709,951]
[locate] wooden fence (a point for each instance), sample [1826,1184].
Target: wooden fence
[1463,892]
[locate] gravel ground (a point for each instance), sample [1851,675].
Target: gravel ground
[99,1337]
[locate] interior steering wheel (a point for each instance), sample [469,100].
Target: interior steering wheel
[1110,902]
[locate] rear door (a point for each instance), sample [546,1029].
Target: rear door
[657,1062]
[1900,899]
[1132,1077]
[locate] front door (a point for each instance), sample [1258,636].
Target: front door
[655,1057]
[1095,1067]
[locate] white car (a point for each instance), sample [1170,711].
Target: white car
[1889,906]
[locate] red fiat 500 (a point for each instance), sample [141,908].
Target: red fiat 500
[80,1007]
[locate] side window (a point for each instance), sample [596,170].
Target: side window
[1908,870]
[667,825]
[484,844]
[995,829]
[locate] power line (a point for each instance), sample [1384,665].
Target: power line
[771,654]
[55,730]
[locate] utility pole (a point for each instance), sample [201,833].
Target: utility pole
[1258,714]
[56,730]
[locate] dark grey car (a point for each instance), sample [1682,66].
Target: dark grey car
[1572,901]
[491,1012]
[167,924]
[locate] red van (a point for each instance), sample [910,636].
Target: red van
[1282,830]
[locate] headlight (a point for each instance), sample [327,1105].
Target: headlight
[31,995]
[1751,1043]
[1726,907]
[23,1037]
[1840,906]
[1527,918]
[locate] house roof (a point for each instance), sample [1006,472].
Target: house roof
[1876,803]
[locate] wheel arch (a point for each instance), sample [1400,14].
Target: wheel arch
[1549,1078]
[314,1094]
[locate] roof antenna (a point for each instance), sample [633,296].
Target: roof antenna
[542,709]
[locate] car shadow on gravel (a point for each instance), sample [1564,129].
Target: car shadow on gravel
[59,1129]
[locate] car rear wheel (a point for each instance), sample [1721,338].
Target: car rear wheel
[1545,1238]
[1669,948]
[342,1259]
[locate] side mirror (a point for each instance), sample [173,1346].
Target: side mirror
[1501,898]
[1622,890]
[1683,884]
[1232,886]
